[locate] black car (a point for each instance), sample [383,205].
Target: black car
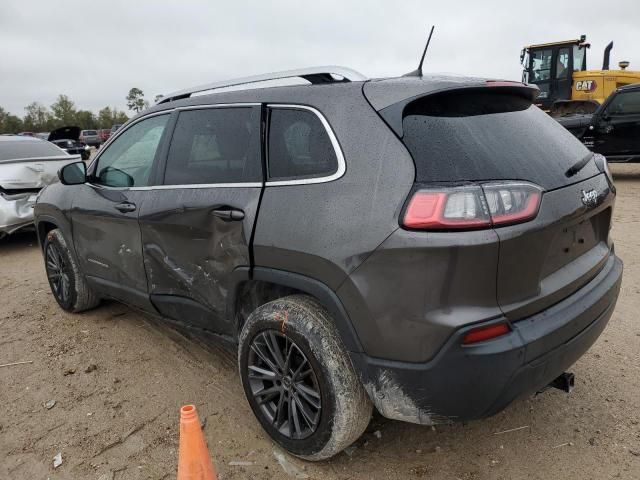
[614,129]
[432,246]
[67,139]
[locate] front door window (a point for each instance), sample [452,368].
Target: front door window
[127,161]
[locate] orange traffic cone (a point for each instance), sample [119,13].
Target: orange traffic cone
[194,462]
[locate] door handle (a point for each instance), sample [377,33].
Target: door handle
[228,214]
[126,207]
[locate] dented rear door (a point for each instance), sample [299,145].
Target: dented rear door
[197,227]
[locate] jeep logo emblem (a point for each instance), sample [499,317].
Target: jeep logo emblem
[586,85]
[590,198]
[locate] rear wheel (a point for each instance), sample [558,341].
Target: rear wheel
[68,285]
[299,380]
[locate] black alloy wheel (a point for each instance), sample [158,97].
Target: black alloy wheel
[58,273]
[284,384]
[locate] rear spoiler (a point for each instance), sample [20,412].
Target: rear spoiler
[393,114]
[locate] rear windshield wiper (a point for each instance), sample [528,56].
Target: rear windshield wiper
[579,165]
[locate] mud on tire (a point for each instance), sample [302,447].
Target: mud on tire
[301,324]
[73,294]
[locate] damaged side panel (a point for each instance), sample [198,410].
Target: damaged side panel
[20,183]
[190,251]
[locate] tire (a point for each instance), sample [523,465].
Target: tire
[302,325]
[68,285]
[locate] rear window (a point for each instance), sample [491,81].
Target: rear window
[21,149]
[299,146]
[474,135]
[89,132]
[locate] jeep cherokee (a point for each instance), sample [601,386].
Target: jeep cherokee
[432,246]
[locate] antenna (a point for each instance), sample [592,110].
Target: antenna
[418,72]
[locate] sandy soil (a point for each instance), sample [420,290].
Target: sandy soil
[119,378]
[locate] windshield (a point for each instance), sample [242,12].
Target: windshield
[19,149]
[484,135]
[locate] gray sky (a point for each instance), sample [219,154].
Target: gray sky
[95,51]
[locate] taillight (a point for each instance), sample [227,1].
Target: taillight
[511,203]
[482,334]
[473,207]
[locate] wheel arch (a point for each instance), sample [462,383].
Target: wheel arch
[250,289]
[43,226]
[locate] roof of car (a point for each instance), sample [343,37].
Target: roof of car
[19,138]
[381,92]
[632,86]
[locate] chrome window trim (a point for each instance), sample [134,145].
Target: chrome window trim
[176,187]
[342,168]
[200,185]
[275,183]
[219,105]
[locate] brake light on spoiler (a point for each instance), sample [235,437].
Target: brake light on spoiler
[472,206]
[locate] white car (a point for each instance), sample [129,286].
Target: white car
[27,164]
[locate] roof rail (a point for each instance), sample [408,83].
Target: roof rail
[313,75]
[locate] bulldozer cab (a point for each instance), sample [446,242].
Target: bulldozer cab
[550,66]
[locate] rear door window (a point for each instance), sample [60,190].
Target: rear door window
[215,145]
[489,135]
[299,146]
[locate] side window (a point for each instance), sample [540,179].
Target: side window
[299,146]
[127,161]
[562,64]
[215,145]
[626,103]
[541,63]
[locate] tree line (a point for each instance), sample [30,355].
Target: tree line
[63,112]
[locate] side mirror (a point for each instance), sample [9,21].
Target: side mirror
[73,174]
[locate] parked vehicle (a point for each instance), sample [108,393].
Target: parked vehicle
[115,127]
[559,70]
[27,164]
[90,137]
[433,246]
[104,134]
[67,138]
[26,134]
[42,135]
[614,129]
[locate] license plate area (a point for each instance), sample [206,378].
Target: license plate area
[574,240]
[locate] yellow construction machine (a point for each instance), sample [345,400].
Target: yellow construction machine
[559,69]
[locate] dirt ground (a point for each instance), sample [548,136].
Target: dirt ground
[119,378]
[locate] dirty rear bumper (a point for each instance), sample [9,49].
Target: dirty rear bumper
[469,382]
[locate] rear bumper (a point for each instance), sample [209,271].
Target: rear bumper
[469,382]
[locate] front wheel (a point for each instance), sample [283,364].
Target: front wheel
[299,380]
[68,285]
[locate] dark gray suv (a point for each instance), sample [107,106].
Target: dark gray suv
[432,246]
